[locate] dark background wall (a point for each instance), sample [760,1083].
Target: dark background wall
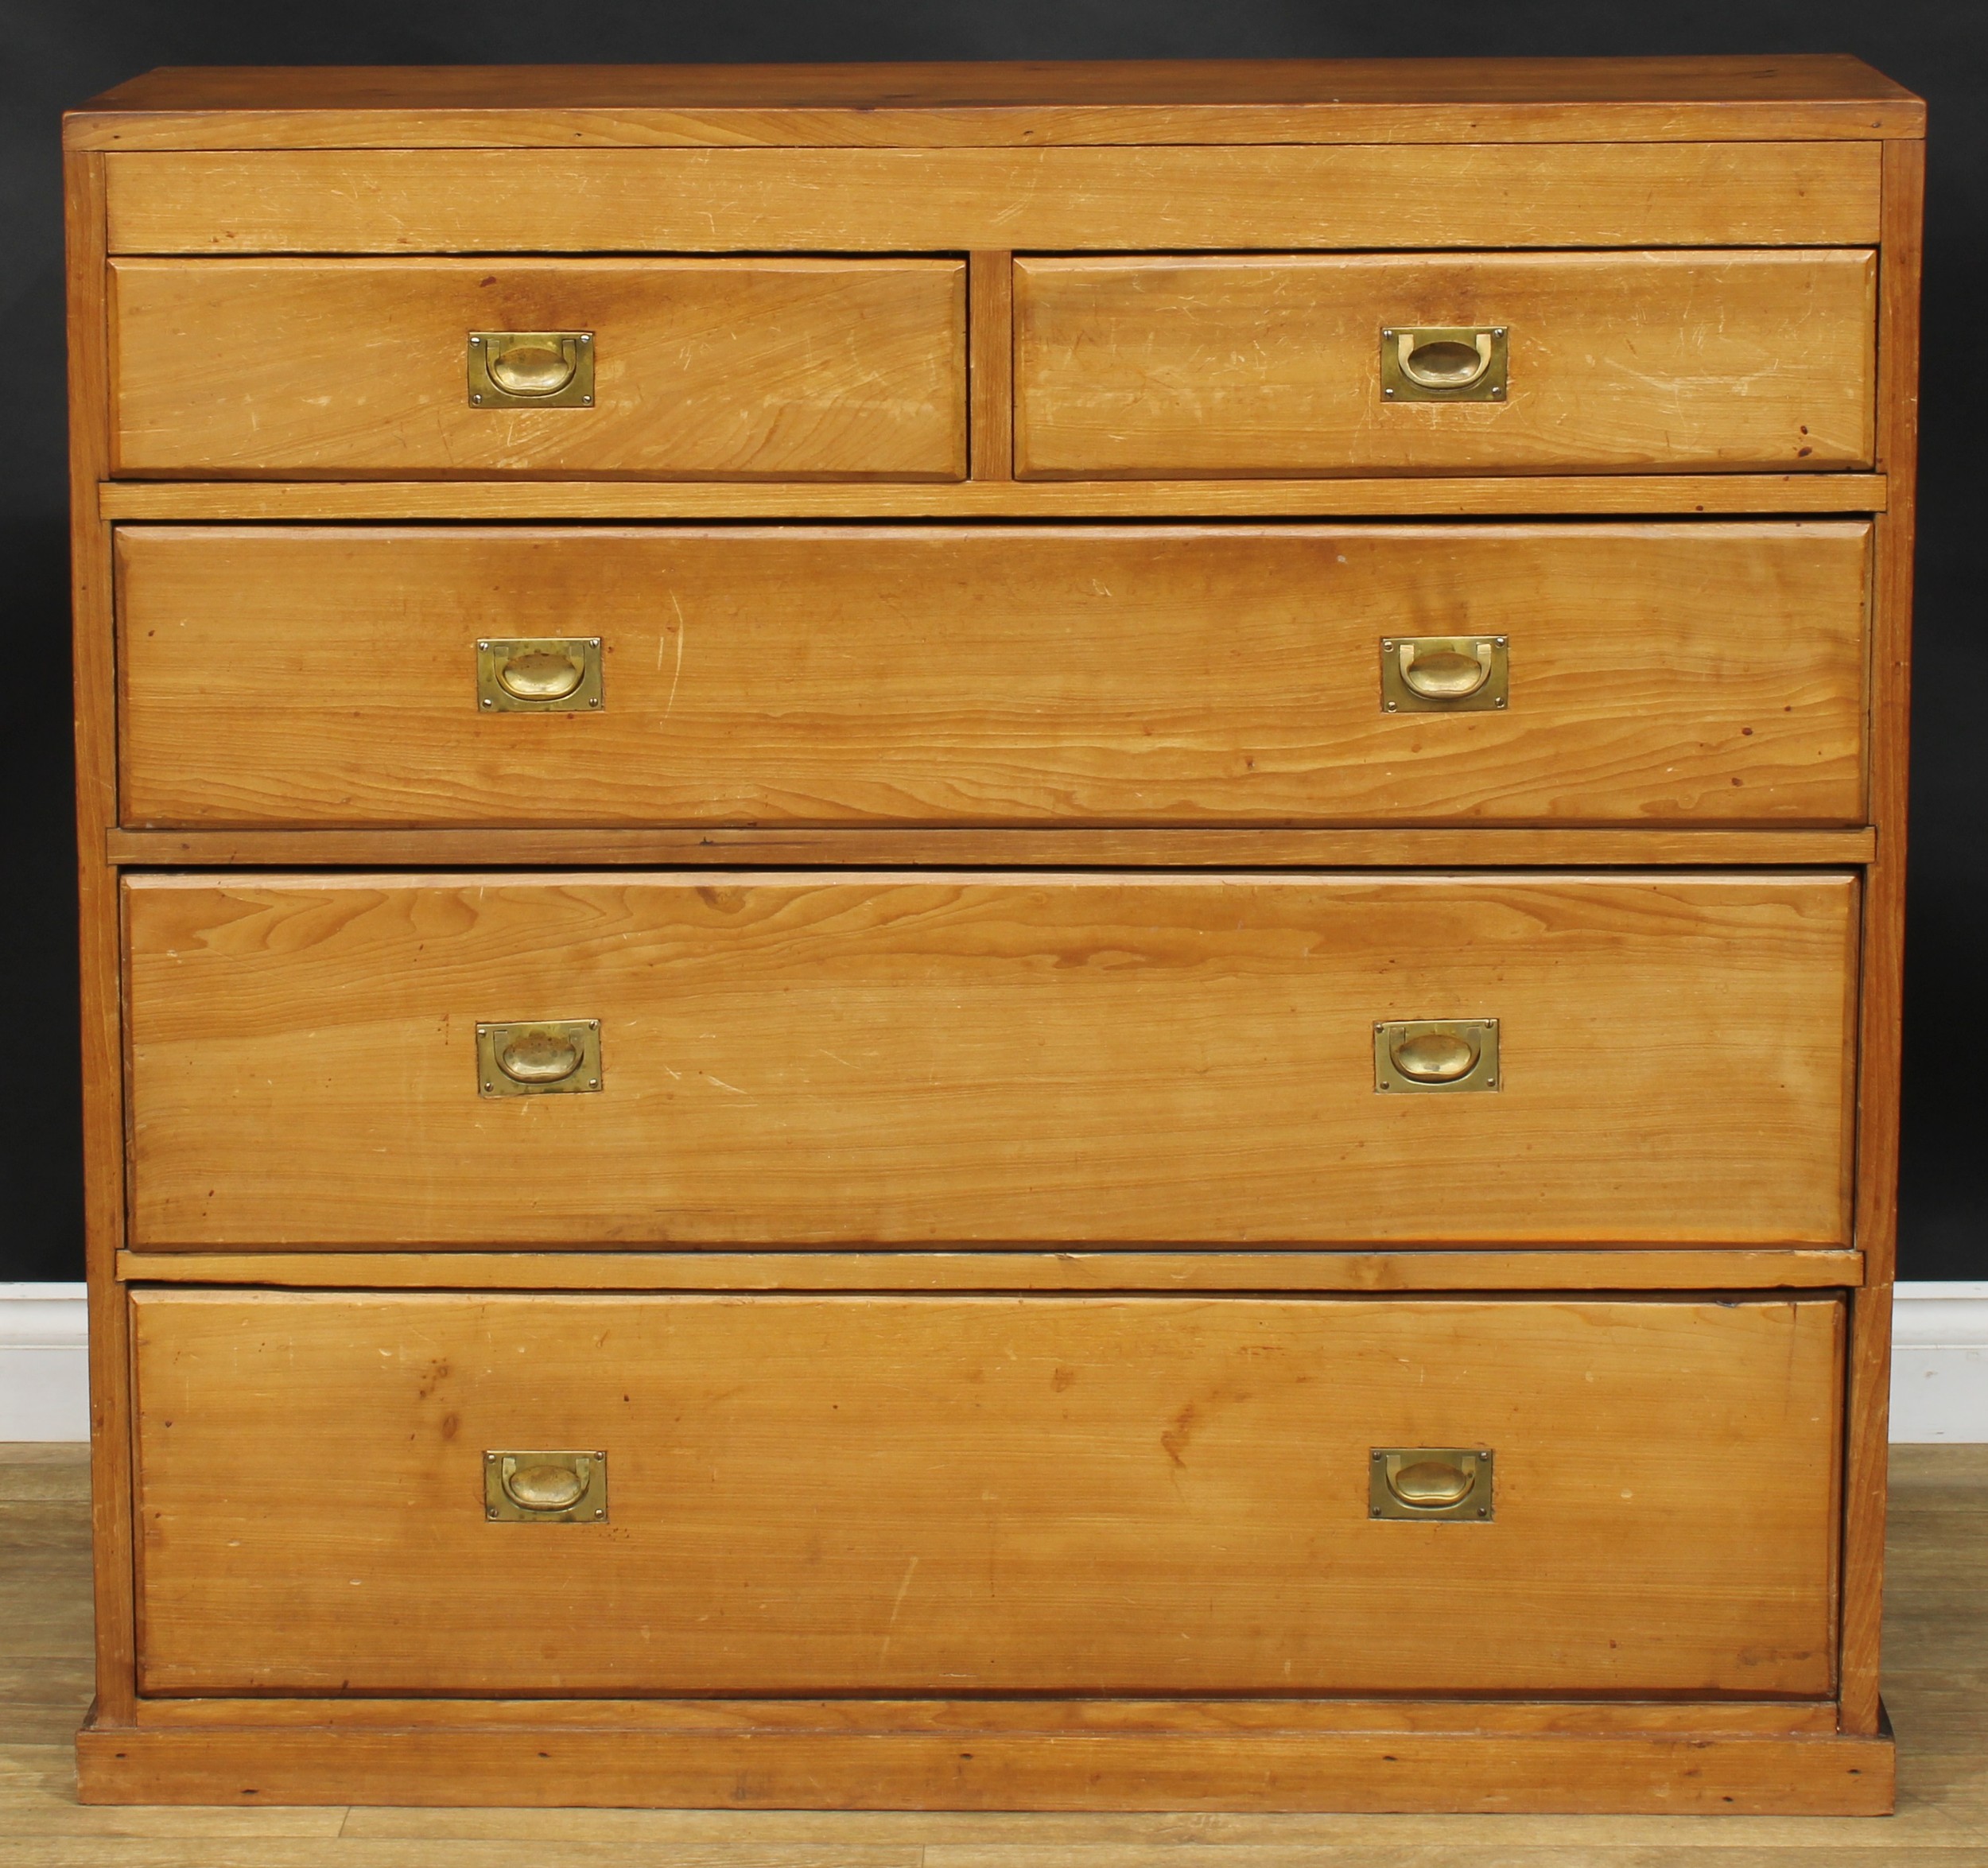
[56,52]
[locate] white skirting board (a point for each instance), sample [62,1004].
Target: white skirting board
[45,1362]
[1939,1363]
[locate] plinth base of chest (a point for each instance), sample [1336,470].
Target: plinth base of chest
[1422,1757]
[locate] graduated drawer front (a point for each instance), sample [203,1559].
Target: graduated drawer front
[720,369]
[1051,1057]
[1680,672]
[943,1495]
[1270,365]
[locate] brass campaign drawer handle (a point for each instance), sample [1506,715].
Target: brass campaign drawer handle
[1444,674]
[547,1488]
[542,1057]
[1452,1483]
[1445,363]
[1448,673]
[1435,1055]
[530,369]
[539,674]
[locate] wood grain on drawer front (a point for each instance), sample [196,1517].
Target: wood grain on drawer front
[1376,195]
[1662,673]
[1269,364]
[1046,1057]
[1109,1495]
[747,369]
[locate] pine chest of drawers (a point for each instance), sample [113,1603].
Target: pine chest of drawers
[998,937]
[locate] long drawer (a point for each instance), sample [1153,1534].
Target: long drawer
[910,1058]
[1647,674]
[1306,364]
[951,1495]
[708,369]
[1289,192]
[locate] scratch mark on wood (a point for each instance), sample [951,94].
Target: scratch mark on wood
[903,1589]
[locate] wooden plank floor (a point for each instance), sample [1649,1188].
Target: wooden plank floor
[1936,1684]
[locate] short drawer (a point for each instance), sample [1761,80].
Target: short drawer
[1273,364]
[718,368]
[928,1057]
[1647,673]
[939,1496]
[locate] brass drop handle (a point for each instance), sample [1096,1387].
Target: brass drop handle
[1419,1057]
[541,675]
[1429,1485]
[541,1488]
[543,1057]
[532,363]
[1447,1482]
[1442,362]
[1444,672]
[545,1488]
[530,369]
[538,1055]
[1436,1057]
[538,673]
[1451,1484]
[1445,363]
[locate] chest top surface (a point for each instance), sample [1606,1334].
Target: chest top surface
[997,104]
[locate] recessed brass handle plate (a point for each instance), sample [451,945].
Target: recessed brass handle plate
[530,369]
[1445,674]
[539,674]
[545,1488]
[557,1057]
[1442,1484]
[1425,1055]
[1444,363]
